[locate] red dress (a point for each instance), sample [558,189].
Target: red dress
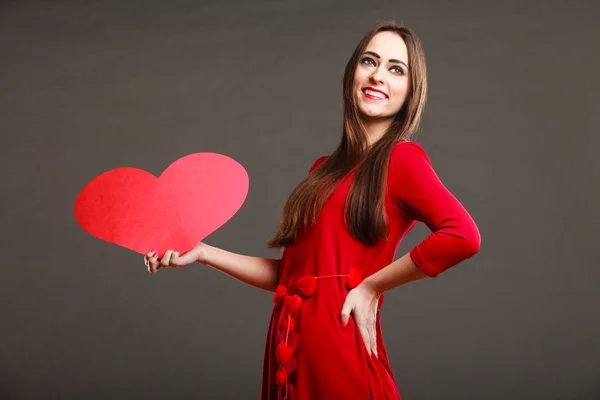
[308,356]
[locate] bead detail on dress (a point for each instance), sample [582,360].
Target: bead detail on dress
[286,325]
[292,304]
[284,354]
[307,285]
[280,294]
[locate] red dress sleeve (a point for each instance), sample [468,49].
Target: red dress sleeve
[418,191]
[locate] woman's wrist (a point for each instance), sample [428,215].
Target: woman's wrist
[372,285]
[203,253]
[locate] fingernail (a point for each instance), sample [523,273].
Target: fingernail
[154,253]
[344,324]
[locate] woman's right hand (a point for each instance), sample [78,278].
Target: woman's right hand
[172,259]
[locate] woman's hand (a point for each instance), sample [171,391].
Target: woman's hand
[172,259]
[362,303]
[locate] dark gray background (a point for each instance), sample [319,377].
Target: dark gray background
[511,128]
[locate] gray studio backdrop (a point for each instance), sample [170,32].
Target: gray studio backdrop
[510,126]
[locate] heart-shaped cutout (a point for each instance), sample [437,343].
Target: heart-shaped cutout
[192,198]
[280,294]
[292,304]
[307,285]
[284,354]
[353,279]
[283,324]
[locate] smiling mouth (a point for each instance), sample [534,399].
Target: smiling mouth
[374,95]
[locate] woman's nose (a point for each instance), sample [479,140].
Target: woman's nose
[376,75]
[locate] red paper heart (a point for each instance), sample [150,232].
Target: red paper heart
[192,198]
[284,354]
[281,376]
[283,324]
[280,294]
[354,279]
[292,304]
[307,285]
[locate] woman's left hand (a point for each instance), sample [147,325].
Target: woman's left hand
[362,303]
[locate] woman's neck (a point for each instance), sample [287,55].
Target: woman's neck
[376,129]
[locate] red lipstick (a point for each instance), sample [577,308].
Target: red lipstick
[372,96]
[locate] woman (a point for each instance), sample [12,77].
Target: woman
[340,230]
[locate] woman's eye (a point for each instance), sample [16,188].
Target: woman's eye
[368,60]
[397,70]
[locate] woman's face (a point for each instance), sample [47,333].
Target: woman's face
[381,80]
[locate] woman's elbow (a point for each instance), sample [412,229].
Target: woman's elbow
[471,243]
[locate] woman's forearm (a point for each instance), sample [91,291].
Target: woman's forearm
[401,271]
[254,271]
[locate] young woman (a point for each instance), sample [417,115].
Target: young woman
[341,228]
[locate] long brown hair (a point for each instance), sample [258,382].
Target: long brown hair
[365,214]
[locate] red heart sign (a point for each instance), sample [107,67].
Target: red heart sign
[192,198]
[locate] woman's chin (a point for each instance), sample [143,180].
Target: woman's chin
[372,115]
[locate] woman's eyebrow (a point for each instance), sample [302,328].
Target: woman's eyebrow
[392,60]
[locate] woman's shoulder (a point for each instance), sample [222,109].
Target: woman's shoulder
[317,163]
[409,168]
[405,151]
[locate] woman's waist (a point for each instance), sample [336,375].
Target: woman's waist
[320,294]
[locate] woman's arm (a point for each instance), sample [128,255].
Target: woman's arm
[254,271]
[418,191]
[259,272]
[401,271]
